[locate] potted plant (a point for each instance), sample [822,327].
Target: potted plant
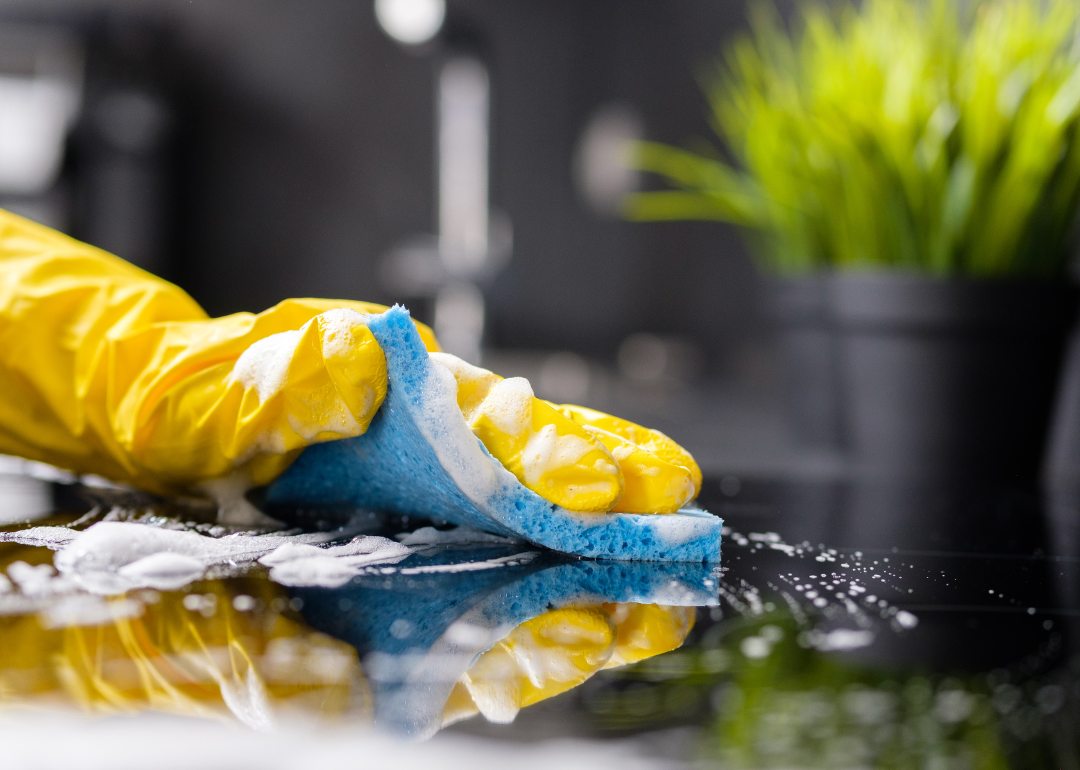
[911,170]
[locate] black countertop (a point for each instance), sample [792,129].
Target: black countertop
[866,623]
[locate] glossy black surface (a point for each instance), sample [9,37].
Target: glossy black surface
[866,623]
[987,674]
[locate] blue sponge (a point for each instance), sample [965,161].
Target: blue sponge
[419,458]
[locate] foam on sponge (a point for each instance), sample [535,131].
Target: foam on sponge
[420,458]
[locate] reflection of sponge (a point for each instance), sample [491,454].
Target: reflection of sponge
[420,458]
[417,633]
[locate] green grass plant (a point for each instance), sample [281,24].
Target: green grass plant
[936,136]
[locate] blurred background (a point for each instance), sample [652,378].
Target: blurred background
[256,151]
[469,159]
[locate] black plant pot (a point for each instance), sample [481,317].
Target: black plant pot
[948,378]
[799,311]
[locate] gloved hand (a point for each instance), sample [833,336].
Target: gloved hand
[578,458]
[106,369]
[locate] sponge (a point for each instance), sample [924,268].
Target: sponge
[419,458]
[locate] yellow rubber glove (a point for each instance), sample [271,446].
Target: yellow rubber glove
[578,458]
[106,369]
[660,475]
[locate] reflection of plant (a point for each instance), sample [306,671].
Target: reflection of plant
[768,699]
[895,135]
[797,707]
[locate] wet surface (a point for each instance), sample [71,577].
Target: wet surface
[868,624]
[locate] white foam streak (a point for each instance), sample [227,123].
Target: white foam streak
[53,538]
[442,425]
[337,327]
[508,405]
[265,364]
[114,557]
[428,536]
[547,451]
[305,565]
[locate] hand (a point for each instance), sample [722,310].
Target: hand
[106,369]
[575,457]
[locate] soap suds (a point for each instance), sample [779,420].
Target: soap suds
[296,564]
[472,566]
[682,528]
[331,571]
[265,364]
[164,571]
[622,452]
[338,328]
[459,452]
[323,572]
[679,488]
[53,538]
[839,605]
[233,506]
[603,466]
[270,441]
[289,552]
[337,420]
[114,557]
[546,451]
[428,536]
[508,405]
[37,580]
[461,369]
[473,383]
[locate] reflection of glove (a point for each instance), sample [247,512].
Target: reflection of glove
[559,650]
[106,369]
[205,659]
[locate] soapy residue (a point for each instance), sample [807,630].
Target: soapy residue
[429,536]
[470,566]
[508,405]
[338,326]
[300,564]
[473,383]
[113,557]
[546,451]
[265,363]
[229,492]
[53,538]
[837,605]
[457,449]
